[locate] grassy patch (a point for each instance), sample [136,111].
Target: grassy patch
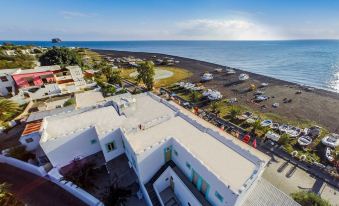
[179,74]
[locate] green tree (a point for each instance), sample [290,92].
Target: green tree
[234,112]
[7,109]
[60,56]
[70,102]
[146,74]
[7,198]
[309,199]
[284,139]
[256,126]
[19,152]
[112,75]
[215,107]
[195,96]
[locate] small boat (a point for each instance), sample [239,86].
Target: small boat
[252,119]
[230,71]
[331,140]
[261,98]
[266,123]
[243,77]
[314,131]
[293,131]
[212,94]
[218,69]
[275,126]
[275,105]
[328,154]
[283,128]
[189,85]
[246,115]
[259,92]
[304,141]
[206,77]
[215,95]
[272,136]
[264,84]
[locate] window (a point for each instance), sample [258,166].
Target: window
[175,152]
[4,79]
[110,146]
[29,140]
[220,198]
[93,141]
[188,165]
[9,89]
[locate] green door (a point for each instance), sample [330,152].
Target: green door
[168,154]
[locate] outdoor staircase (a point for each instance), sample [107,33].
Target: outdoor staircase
[153,196]
[149,186]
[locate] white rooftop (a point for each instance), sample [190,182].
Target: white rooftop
[7,71]
[214,154]
[38,69]
[162,121]
[104,120]
[89,98]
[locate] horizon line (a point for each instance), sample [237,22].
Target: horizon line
[154,40]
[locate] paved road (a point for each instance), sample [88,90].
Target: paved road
[34,190]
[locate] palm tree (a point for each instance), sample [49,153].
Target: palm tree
[7,108]
[234,112]
[194,96]
[256,126]
[7,198]
[215,108]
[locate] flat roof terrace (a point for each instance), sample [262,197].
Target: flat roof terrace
[216,156]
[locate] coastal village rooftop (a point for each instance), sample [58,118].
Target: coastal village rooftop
[150,120]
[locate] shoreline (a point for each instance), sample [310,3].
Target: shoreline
[319,106]
[121,53]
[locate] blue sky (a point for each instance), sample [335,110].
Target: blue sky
[169,19]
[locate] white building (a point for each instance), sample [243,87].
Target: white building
[178,158]
[7,84]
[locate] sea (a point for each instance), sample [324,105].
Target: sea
[308,62]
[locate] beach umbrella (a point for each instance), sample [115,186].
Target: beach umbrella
[254,144]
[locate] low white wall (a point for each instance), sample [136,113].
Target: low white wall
[182,193]
[40,171]
[55,177]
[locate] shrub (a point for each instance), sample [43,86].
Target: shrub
[309,199]
[69,102]
[60,56]
[20,153]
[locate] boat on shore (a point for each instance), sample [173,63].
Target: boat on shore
[293,131]
[243,77]
[331,140]
[230,71]
[304,140]
[206,77]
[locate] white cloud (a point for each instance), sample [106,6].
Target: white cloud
[74,14]
[226,29]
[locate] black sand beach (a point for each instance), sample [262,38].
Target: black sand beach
[319,106]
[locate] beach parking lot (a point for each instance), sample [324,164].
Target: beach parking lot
[300,180]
